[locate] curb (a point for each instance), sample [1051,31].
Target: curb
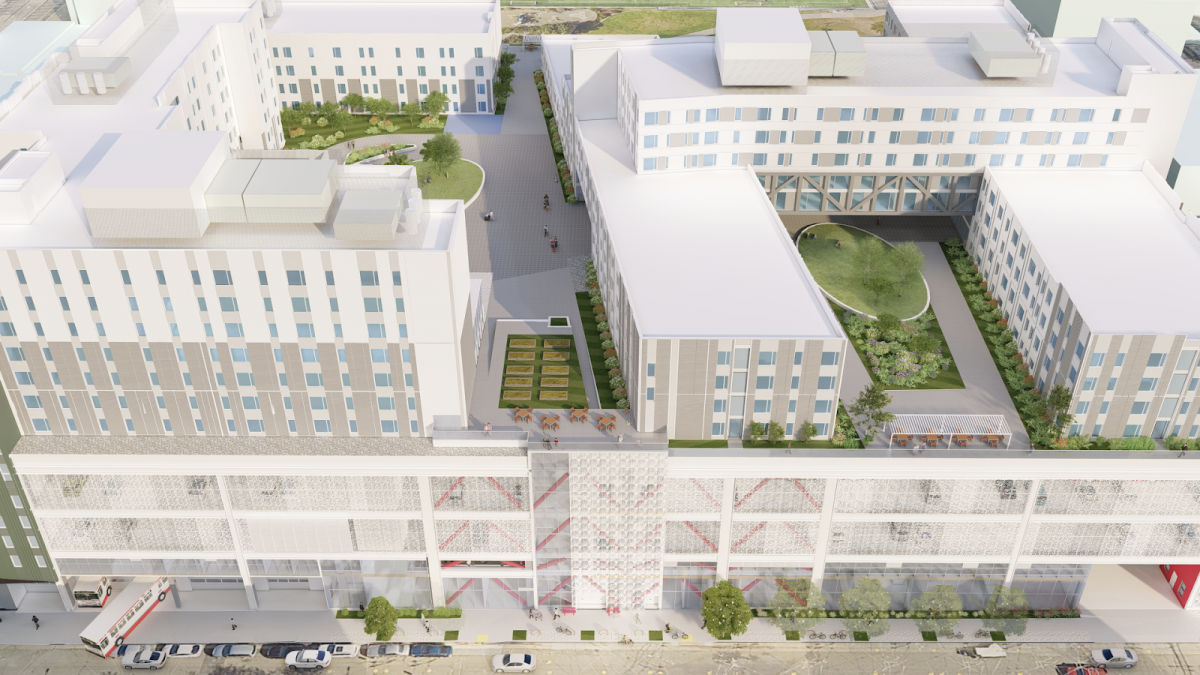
[481,184]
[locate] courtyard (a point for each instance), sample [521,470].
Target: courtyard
[835,258]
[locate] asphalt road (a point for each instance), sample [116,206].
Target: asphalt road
[906,659]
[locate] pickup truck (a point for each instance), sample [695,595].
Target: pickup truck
[1079,669]
[441,650]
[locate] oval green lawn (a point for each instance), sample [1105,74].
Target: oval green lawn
[464,181]
[834,270]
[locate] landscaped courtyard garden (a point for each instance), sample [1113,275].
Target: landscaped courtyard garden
[902,354]
[865,273]
[542,371]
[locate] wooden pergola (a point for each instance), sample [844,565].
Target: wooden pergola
[948,430]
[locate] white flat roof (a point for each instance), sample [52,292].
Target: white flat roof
[382,18]
[952,20]
[702,253]
[1114,242]
[290,177]
[687,67]
[757,25]
[156,159]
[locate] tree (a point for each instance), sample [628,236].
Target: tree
[381,619]
[341,118]
[807,431]
[1006,610]
[398,158]
[414,112]
[869,410]
[798,605]
[879,285]
[774,431]
[442,151]
[380,107]
[353,100]
[938,609]
[757,431]
[508,58]
[726,611]
[865,608]
[868,256]
[308,109]
[436,103]
[1048,416]
[329,109]
[907,263]
[290,118]
[502,89]
[505,73]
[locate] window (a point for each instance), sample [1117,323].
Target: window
[1148,384]
[1156,360]
[829,358]
[764,114]
[762,406]
[1139,407]
[979,113]
[1089,383]
[826,382]
[649,393]
[722,382]
[764,382]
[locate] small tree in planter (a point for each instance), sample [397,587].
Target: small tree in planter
[865,608]
[380,619]
[807,431]
[1006,611]
[868,409]
[798,605]
[725,610]
[939,610]
[774,431]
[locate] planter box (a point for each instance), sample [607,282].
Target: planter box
[521,356]
[556,382]
[553,396]
[518,395]
[519,370]
[554,370]
[557,342]
[552,356]
[522,343]
[518,382]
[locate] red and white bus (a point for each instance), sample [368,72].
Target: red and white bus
[90,592]
[120,616]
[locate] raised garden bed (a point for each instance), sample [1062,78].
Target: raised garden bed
[553,395]
[518,382]
[520,356]
[882,357]
[520,635]
[556,356]
[929,636]
[591,334]
[587,635]
[557,342]
[517,395]
[533,355]
[522,343]
[556,370]
[518,370]
[655,635]
[450,635]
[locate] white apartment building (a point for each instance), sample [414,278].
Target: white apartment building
[884,125]
[399,51]
[1124,344]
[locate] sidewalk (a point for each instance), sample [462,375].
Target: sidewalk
[168,625]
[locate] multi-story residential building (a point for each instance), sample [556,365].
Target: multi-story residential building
[321,51]
[883,125]
[1125,345]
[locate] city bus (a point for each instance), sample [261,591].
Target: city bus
[121,615]
[90,592]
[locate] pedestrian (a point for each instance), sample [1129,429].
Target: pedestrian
[636,618]
[878,221]
[428,178]
[1183,449]
[620,438]
[704,624]
[668,626]
[487,429]
[545,231]
[837,244]
[556,441]
[232,623]
[360,607]
[36,625]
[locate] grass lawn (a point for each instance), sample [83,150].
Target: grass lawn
[838,276]
[946,379]
[714,443]
[595,351]
[576,396]
[464,181]
[654,22]
[861,25]
[358,129]
[689,3]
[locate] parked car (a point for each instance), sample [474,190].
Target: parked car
[1079,669]
[337,649]
[279,650]
[230,651]
[430,650]
[308,659]
[143,659]
[1115,658]
[183,651]
[374,651]
[514,663]
[131,649]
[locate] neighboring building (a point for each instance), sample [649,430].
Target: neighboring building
[881,125]
[1171,20]
[1125,345]
[323,51]
[952,18]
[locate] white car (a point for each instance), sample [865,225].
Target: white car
[1115,658]
[380,649]
[308,658]
[514,663]
[145,658]
[183,651]
[337,649]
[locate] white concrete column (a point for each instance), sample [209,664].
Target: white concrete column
[723,547]
[431,542]
[65,594]
[826,524]
[1031,501]
[243,569]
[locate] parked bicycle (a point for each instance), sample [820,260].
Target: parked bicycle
[565,630]
[676,634]
[814,635]
[983,634]
[535,614]
[626,641]
[953,635]
[840,635]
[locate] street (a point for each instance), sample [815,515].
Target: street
[666,659]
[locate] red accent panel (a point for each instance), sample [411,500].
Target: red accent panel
[647,538]
[459,592]
[800,487]
[750,585]
[648,592]
[694,589]
[798,535]
[552,562]
[519,546]
[1185,574]
[705,492]
[518,565]
[603,534]
[648,496]
[554,533]
[446,494]
[552,489]
[510,592]
[797,598]
[496,484]
[753,531]
[452,563]
[454,536]
[556,589]
[702,537]
[751,493]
